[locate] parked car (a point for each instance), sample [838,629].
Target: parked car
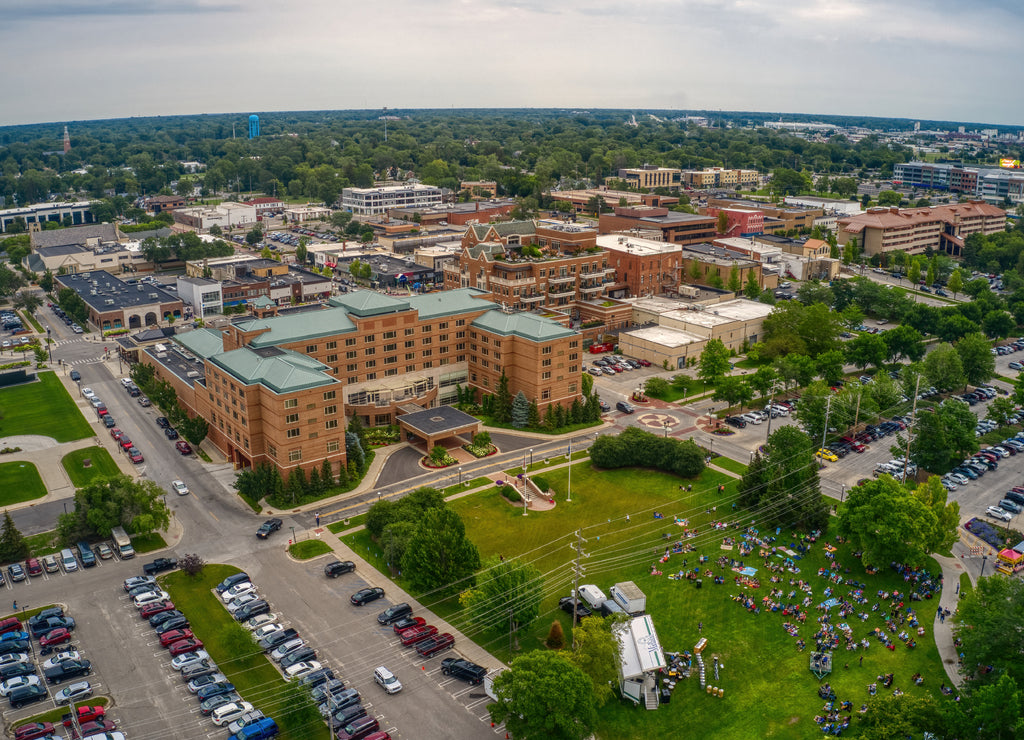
[997,513]
[434,645]
[625,407]
[66,669]
[566,604]
[252,609]
[73,693]
[339,567]
[185,646]
[464,670]
[387,680]
[183,447]
[366,595]
[736,421]
[159,566]
[231,581]
[269,527]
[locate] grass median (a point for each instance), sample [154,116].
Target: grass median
[45,408]
[101,465]
[239,658]
[308,549]
[21,483]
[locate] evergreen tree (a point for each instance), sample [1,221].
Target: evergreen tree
[593,408]
[327,474]
[520,411]
[355,426]
[559,416]
[503,401]
[534,417]
[295,489]
[316,486]
[354,450]
[12,545]
[549,418]
[576,412]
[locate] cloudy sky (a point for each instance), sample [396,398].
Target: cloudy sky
[933,59]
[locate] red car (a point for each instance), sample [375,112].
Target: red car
[644,363]
[416,634]
[185,646]
[125,442]
[435,644]
[183,447]
[135,456]
[55,637]
[33,730]
[95,727]
[102,411]
[86,714]
[160,606]
[174,635]
[33,567]
[116,433]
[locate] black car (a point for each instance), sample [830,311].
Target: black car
[75,376]
[214,689]
[48,613]
[624,407]
[298,656]
[67,669]
[157,619]
[274,639]
[566,605]
[231,581]
[174,623]
[366,595]
[345,715]
[27,695]
[339,567]
[16,669]
[463,669]
[171,433]
[108,422]
[735,421]
[252,609]
[159,565]
[162,422]
[42,628]
[269,527]
[316,678]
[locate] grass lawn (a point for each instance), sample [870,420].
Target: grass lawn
[308,549]
[729,464]
[44,543]
[21,483]
[42,408]
[769,691]
[32,320]
[103,465]
[257,680]
[143,543]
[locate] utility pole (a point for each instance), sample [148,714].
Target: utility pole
[824,431]
[856,414]
[913,420]
[577,571]
[568,485]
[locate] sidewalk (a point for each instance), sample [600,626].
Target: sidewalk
[951,570]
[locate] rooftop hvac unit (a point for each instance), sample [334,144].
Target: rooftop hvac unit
[192,374]
[109,301]
[154,296]
[92,292]
[161,355]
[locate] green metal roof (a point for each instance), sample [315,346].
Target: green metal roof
[489,248]
[297,327]
[525,325]
[364,303]
[202,342]
[449,302]
[263,302]
[282,371]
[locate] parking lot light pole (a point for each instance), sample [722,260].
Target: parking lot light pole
[984,559]
[293,535]
[568,485]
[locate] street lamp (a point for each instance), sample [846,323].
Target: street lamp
[49,348]
[568,485]
[293,535]
[531,456]
[460,476]
[984,559]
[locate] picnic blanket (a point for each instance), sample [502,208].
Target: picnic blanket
[746,571]
[829,603]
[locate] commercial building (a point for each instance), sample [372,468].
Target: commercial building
[580,200]
[245,278]
[161,203]
[644,267]
[89,248]
[719,177]
[740,221]
[914,230]
[226,215]
[78,212]
[649,177]
[302,214]
[378,201]
[479,188]
[205,297]
[776,218]
[279,389]
[267,205]
[831,206]
[993,185]
[457,214]
[673,226]
[117,304]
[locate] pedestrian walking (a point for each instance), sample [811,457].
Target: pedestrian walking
[627,518]
[862,660]
[700,627]
[318,519]
[15,606]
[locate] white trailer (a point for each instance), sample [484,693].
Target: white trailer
[629,597]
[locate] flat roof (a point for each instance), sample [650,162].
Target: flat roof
[665,336]
[438,420]
[112,293]
[635,245]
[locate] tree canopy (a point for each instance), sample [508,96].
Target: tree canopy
[782,484]
[544,696]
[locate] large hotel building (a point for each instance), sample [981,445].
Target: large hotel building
[280,388]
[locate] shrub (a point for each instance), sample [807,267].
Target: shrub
[510,493]
[556,637]
[637,448]
[191,564]
[541,482]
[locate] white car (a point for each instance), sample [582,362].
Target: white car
[996,513]
[183,661]
[387,680]
[179,487]
[11,658]
[16,683]
[259,620]
[266,630]
[286,647]
[301,670]
[149,597]
[237,603]
[751,418]
[87,393]
[228,713]
[60,658]
[126,382]
[239,589]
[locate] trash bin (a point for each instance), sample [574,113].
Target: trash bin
[666,696]
[700,582]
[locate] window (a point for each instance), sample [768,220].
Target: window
[442,338]
[333,446]
[546,363]
[291,403]
[390,360]
[390,347]
[310,349]
[573,356]
[351,354]
[293,432]
[331,424]
[390,334]
[332,358]
[410,332]
[291,419]
[352,369]
[295,455]
[427,328]
[331,345]
[371,376]
[272,451]
[428,352]
[425,340]
[410,355]
[371,363]
[443,325]
[391,371]
[350,342]
[369,350]
[370,338]
[546,375]
[330,410]
[546,350]
[460,335]
[545,394]
[572,387]
[460,322]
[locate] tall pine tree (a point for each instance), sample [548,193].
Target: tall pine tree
[520,412]
[503,401]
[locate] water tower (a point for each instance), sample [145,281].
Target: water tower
[254,126]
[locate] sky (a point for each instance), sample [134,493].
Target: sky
[70,60]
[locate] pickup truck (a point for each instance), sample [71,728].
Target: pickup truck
[85,714]
[433,645]
[159,565]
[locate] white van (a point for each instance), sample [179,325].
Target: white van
[67,559]
[592,596]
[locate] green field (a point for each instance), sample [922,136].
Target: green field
[308,549]
[21,483]
[143,543]
[42,408]
[769,690]
[102,465]
[256,679]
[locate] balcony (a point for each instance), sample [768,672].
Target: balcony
[591,289]
[509,283]
[561,279]
[535,298]
[556,290]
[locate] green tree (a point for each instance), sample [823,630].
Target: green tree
[111,502]
[885,521]
[997,709]
[763,380]
[723,221]
[503,401]
[785,486]
[714,361]
[955,284]
[440,556]
[27,301]
[734,279]
[867,349]
[301,251]
[943,367]
[12,545]
[914,272]
[544,696]
[597,653]
[517,586]
[752,289]
[944,437]
[695,272]
[796,369]
[394,540]
[998,324]
[789,182]
[193,428]
[733,390]
[831,366]
[976,358]
[988,624]
[216,230]
[815,404]
[520,411]
[904,341]
[46,281]
[253,236]
[999,410]
[898,717]
[656,387]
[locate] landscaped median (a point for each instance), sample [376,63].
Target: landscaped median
[231,647]
[21,483]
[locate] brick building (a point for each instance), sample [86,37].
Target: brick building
[740,221]
[117,304]
[719,177]
[913,230]
[643,266]
[649,177]
[278,389]
[675,227]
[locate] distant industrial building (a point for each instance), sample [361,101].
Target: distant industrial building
[991,184]
[39,213]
